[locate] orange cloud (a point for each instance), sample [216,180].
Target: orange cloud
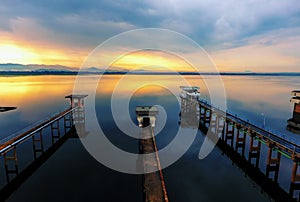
[153,61]
[12,53]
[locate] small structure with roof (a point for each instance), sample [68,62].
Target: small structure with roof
[189,110]
[78,115]
[190,92]
[146,115]
[294,122]
[76,100]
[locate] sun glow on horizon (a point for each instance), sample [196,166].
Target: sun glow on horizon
[252,57]
[152,61]
[12,53]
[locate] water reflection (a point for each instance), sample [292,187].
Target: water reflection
[250,96]
[38,96]
[247,96]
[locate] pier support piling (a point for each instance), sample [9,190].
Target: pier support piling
[37,143]
[11,156]
[220,125]
[255,147]
[295,181]
[213,123]
[229,134]
[55,131]
[273,163]
[201,112]
[207,117]
[240,141]
[68,122]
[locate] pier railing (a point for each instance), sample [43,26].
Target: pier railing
[233,132]
[32,125]
[290,149]
[46,136]
[26,133]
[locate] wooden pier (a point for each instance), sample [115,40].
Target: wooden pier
[236,137]
[153,182]
[234,133]
[36,135]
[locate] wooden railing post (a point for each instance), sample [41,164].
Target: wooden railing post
[14,159]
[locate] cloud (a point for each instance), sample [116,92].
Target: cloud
[272,51]
[207,22]
[215,25]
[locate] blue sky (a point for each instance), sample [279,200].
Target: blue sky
[257,35]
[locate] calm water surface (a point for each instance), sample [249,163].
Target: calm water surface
[72,174]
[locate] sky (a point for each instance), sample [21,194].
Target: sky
[248,35]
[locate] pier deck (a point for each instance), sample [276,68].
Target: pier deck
[56,128]
[154,185]
[234,132]
[11,141]
[289,148]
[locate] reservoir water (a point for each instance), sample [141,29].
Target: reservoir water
[71,174]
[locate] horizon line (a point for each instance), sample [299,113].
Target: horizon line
[102,70]
[67,72]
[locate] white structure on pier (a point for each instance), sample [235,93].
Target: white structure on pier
[294,122]
[190,92]
[146,115]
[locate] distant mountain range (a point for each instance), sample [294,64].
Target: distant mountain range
[36,69]
[43,68]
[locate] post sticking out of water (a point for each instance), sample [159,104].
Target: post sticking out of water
[294,122]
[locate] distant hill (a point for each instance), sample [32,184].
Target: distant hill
[35,69]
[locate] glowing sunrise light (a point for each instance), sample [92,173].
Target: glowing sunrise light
[11,53]
[152,60]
